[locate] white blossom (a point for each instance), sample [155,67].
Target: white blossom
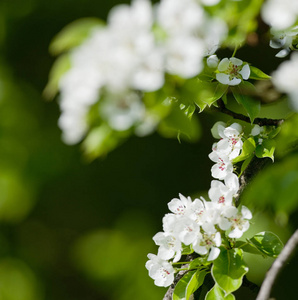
[180,206]
[285,78]
[169,246]
[122,111]
[208,242]
[231,143]
[280,14]
[223,165]
[160,270]
[219,193]
[232,71]
[188,230]
[283,39]
[239,220]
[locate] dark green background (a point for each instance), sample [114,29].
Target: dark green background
[72,229]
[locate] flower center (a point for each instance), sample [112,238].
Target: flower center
[221,199]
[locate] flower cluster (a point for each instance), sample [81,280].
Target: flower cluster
[133,52]
[200,224]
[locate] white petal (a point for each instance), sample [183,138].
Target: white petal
[213,253]
[200,249]
[216,128]
[224,224]
[277,43]
[234,81]
[232,182]
[246,213]
[245,72]
[223,78]
[236,61]
[223,65]
[236,233]
[283,53]
[212,61]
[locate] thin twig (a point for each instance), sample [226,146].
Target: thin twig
[277,266]
[259,121]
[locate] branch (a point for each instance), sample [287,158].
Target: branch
[253,168]
[169,293]
[259,121]
[277,266]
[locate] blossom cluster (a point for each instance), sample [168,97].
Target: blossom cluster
[139,44]
[200,224]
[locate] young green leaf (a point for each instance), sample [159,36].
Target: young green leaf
[228,270]
[73,34]
[257,74]
[251,105]
[180,288]
[248,149]
[61,65]
[266,149]
[187,249]
[246,163]
[195,282]
[198,262]
[216,293]
[246,247]
[208,93]
[268,243]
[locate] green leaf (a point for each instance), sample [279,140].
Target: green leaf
[100,141]
[198,262]
[246,247]
[251,105]
[188,110]
[176,123]
[73,34]
[208,93]
[195,282]
[245,164]
[257,74]
[228,269]
[187,249]
[268,243]
[248,149]
[266,149]
[216,293]
[61,66]
[179,292]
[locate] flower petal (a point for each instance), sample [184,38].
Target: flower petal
[223,78]
[236,61]
[223,65]
[245,72]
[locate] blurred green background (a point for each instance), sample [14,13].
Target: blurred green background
[71,229]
